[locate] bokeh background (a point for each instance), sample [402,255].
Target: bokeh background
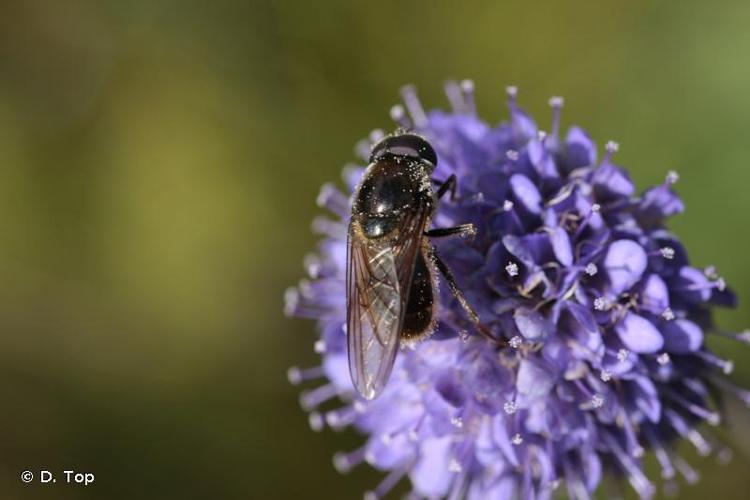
[159,163]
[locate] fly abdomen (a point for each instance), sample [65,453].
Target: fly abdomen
[419,316]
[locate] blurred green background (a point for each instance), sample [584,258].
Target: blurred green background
[159,163]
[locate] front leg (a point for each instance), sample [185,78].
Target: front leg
[462,230]
[449,184]
[459,295]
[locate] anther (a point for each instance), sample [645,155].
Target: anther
[512,92]
[316,421]
[512,269]
[591,269]
[601,304]
[597,401]
[556,102]
[667,252]
[467,89]
[710,272]
[409,95]
[672,177]
[376,135]
[510,407]
[611,147]
[454,466]
[606,376]
[515,342]
[725,365]
[296,376]
[517,439]
[596,208]
[398,115]
[663,359]
[512,154]
[668,314]
[507,205]
[320,346]
[622,355]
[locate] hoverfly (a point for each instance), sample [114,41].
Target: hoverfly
[391,264]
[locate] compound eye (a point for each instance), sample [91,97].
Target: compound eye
[409,145]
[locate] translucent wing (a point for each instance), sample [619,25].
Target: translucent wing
[379,277]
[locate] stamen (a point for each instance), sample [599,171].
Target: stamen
[711,417]
[725,365]
[310,400]
[516,342]
[334,200]
[295,304]
[634,447]
[724,455]
[320,346]
[668,314]
[507,205]
[510,407]
[611,148]
[591,269]
[606,376]
[467,89]
[622,355]
[418,116]
[601,304]
[512,269]
[376,135]
[512,92]
[296,376]
[512,155]
[556,103]
[597,401]
[690,474]
[517,439]
[576,488]
[340,418]
[327,227]
[454,466]
[455,97]
[386,485]
[596,208]
[344,462]
[740,393]
[363,148]
[667,252]
[635,475]
[710,272]
[672,177]
[663,359]
[662,456]
[700,443]
[312,265]
[398,115]
[316,421]
[541,135]
[457,422]
[291,301]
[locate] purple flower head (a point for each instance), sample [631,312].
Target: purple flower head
[602,316]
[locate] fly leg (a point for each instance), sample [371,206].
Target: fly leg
[456,291]
[449,184]
[463,230]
